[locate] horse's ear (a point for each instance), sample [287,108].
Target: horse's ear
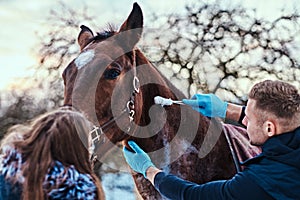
[133,25]
[85,36]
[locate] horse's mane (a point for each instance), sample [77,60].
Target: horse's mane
[101,35]
[105,33]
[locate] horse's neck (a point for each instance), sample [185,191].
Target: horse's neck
[172,132]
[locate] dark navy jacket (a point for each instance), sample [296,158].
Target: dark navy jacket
[274,174]
[9,191]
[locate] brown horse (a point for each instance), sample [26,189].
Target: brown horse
[114,85]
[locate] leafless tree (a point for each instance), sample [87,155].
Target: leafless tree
[224,51]
[56,48]
[207,49]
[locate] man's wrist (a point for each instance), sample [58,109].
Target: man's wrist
[151,173]
[234,112]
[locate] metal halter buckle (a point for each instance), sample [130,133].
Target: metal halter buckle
[96,133]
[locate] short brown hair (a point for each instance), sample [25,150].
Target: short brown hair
[279,98]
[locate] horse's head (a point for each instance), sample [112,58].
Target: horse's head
[101,82]
[114,85]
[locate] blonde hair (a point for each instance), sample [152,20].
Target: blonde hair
[14,133]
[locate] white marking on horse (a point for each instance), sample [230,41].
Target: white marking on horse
[167,155]
[84,58]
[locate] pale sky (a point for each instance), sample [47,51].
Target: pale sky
[20,20]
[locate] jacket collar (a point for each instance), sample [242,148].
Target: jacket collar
[283,148]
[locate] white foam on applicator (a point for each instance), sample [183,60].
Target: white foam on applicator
[162,101]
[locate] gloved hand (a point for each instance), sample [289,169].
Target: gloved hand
[138,161]
[207,104]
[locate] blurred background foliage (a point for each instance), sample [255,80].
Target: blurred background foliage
[205,49]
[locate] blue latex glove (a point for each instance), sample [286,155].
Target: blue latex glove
[138,161]
[207,104]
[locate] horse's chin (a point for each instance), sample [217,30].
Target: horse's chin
[119,138]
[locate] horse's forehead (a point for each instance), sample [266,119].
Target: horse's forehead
[97,51]
[84,58]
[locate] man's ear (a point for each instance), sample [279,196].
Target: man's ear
[269,128]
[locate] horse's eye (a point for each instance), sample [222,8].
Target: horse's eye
[111,73]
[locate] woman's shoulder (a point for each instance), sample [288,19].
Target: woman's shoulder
[68,183]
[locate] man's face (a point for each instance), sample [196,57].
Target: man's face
[255,127]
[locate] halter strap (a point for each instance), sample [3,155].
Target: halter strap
[136,81]
[97,131]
